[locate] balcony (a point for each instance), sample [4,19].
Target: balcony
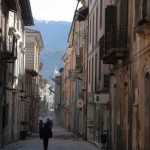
[9,50]
[8,45]
[11,4]
[142,27]
[115,45]
[26,12]
[146,10]
[82,13]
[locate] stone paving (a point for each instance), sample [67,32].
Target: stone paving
[61,140]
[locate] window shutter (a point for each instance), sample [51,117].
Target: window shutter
[123,12]
[110,26]
[110,17]
[146,8]
[137,11]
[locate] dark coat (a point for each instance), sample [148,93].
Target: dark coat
[45,133]
[49,123]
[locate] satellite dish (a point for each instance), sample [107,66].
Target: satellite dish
[80,103]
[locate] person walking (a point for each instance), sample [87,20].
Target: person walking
[49,123]
[45,134]
[41,125]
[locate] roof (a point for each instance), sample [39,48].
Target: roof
[37,35]
[26,12]
[82,13]
[72,25]
[11,4]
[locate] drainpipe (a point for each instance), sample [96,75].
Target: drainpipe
[75,119]
[86,138]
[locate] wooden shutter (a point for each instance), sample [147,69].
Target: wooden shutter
[110,17]
[123,12]
[137,11]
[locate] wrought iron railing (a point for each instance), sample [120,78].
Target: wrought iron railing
[142,12]
[8,49]
[116,38]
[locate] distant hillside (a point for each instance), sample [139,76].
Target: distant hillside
[54,36]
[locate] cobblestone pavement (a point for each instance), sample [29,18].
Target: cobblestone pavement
[61,140]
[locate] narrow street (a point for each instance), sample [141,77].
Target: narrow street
[61,140]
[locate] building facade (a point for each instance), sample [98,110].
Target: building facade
[66,96]
[128,56]
[117,24]
[98,76]
[34,45]
[13,20]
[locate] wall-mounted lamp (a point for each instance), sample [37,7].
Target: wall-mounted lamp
[21,91]
[6,88]
[22,98]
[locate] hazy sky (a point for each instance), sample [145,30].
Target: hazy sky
[55,10]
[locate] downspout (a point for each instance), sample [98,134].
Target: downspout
[72,43]
[87,78]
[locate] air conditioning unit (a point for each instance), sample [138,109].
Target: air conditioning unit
[101,98]
[79,68]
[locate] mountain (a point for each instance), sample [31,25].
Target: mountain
[55,35]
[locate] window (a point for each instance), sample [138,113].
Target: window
[89,71]
[101,7]
[137,11]
[93,42]
[96,72]
[90,31]
[101,53]
[96,32]
[92,75]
